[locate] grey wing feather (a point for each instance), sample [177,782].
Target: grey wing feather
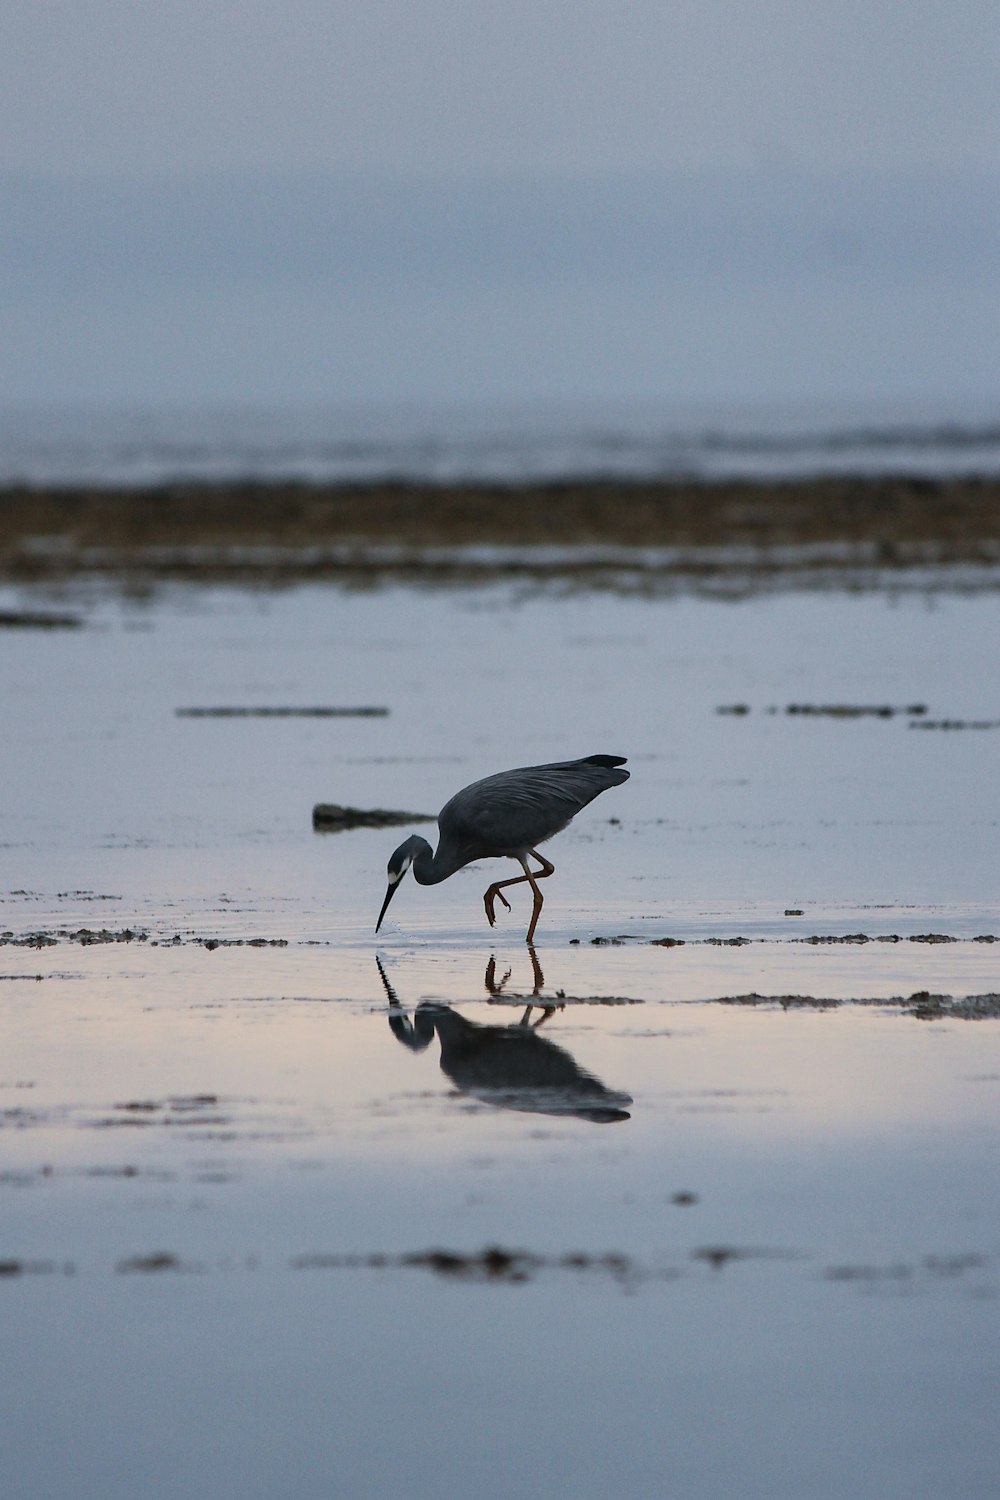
[516,810]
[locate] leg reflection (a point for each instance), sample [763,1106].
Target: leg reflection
[495,989]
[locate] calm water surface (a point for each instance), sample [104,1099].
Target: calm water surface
[760,1242]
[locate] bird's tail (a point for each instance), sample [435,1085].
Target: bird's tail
[605,760]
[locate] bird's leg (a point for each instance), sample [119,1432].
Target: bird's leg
[497,889]
[531,876]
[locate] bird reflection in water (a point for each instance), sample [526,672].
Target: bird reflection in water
[511,1066]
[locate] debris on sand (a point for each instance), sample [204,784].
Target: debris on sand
[891,937]
[497,1264]
[927,1007]
[11,1268]
[330,817]
[837,937]
[491,1264]
[957,724]
[787,1002]
[33,619]
[494,1263]
[160,1260]
[912,711]
[211,943]
[855,710]
[87,937]
[922,1005]
[315,711]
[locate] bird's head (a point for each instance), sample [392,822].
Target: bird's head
[399,862]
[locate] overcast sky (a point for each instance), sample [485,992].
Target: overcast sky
[444,200]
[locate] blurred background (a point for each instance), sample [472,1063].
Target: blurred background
[725,212]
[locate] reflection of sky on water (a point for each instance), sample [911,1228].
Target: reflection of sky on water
[843,1157]
[246,1108]
[295,1049]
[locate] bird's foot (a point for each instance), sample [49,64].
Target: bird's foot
[489,900]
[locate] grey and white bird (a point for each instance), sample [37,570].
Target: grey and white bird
[507,815]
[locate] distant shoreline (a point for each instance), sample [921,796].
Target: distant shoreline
[279,532]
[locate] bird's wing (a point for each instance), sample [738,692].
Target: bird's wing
[515,810]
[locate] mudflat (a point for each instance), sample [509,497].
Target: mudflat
[297,529]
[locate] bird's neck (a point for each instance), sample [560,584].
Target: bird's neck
[427,869]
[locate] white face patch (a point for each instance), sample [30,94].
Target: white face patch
[396,876]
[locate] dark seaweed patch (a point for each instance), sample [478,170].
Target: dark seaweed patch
[948,724]
[922,1005]
[85,936]
[331,817]
[159,1260]
[33,619]
[913,711]
[313,712]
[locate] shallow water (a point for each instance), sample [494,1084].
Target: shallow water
[758,1256]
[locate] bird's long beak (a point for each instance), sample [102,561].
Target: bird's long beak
[393,887]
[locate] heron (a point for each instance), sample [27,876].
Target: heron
[506,815]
